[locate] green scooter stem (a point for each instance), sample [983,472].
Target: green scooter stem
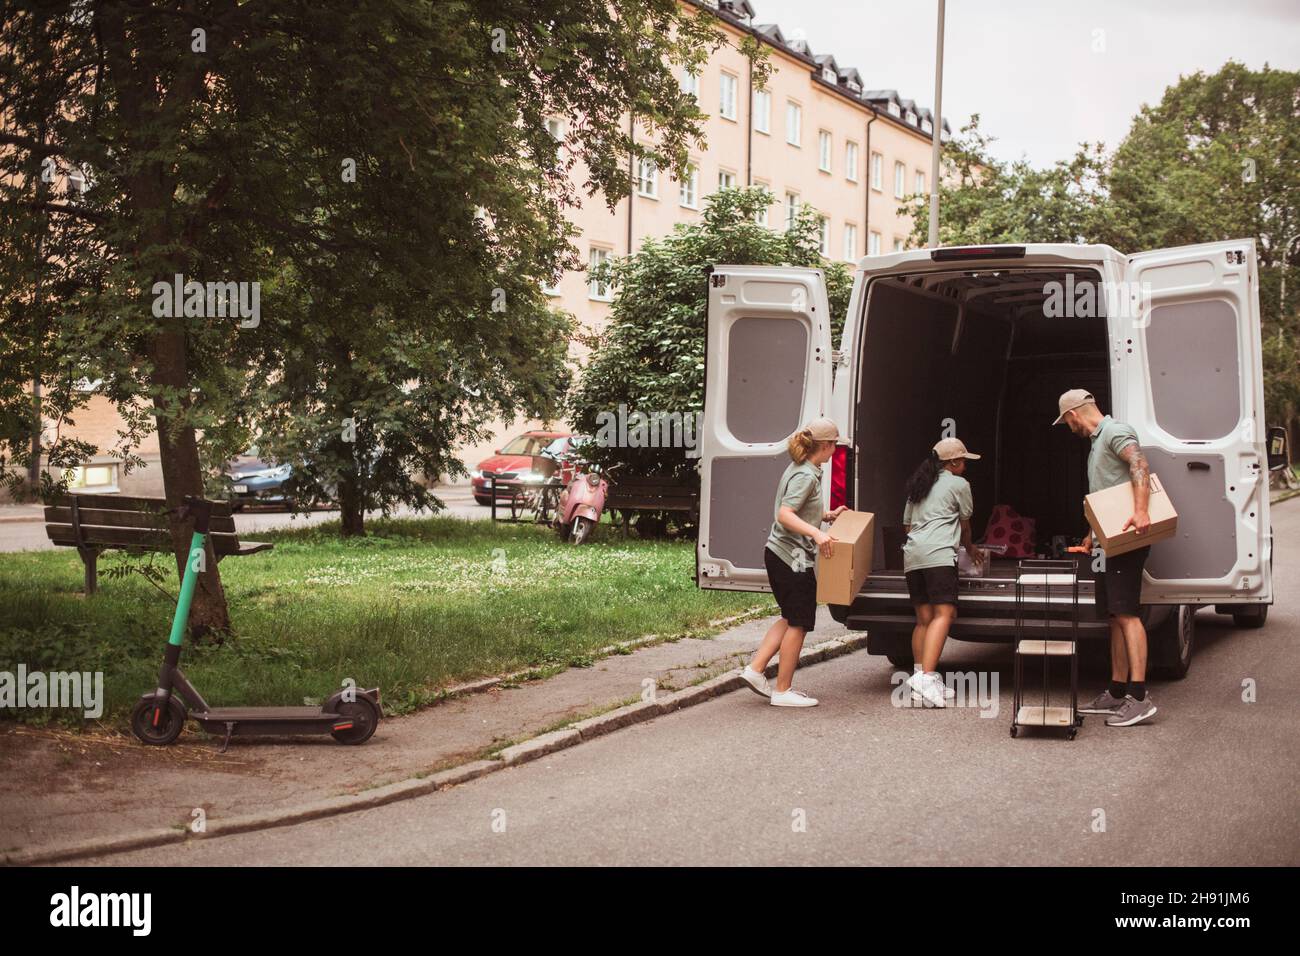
[188,583]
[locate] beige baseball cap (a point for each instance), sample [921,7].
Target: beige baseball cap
[1074,398]
[822,429]
[950,449]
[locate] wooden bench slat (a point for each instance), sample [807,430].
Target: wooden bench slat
[223,544]
[124,519]
[130,503]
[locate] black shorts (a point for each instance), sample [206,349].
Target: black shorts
[1119,587]
[795,591]
[932,585]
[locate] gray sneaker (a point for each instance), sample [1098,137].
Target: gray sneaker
[1103,703]
[1132,711]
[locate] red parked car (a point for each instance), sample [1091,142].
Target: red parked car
[513,463]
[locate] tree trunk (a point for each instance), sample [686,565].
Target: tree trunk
[183,475]
[352,510]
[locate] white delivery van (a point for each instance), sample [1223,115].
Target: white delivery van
[981,341]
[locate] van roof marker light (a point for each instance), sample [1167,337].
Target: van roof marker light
[958,253]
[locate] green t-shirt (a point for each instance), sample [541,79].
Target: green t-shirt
[1106,468]
[935,523]
[801,490]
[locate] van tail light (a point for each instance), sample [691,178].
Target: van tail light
[841,477]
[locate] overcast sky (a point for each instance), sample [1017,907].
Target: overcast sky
[1028,67]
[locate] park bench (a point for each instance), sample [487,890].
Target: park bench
[629,496]
[95,523]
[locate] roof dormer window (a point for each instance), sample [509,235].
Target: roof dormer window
[894,110]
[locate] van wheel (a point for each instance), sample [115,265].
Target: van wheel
[902,661]
[1252,615]
[1171,644]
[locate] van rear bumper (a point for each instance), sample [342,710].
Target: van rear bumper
[986,610]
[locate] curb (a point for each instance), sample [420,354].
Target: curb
[512,756]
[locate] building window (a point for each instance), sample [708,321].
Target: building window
[900,180]
[555,126]
[762,111]
[791,208]
[920,183]
[899,243]
[877,162]
[851,162]
[87,477]
[691,83]
[793,123]
[829,75]
[647,179]
[850,241]
[727,95]
[689,189]
[598,284]
[760,217]
[824,151]
[894,110]
[873,244]
[551,289]
[726,179]
[910,117]
[824,235]
[927,126]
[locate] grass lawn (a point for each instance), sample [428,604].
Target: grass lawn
[414,607]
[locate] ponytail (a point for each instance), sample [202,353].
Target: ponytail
[801,445]
[923,479]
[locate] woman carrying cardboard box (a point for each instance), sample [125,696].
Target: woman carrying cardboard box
[789,557]
[937,520]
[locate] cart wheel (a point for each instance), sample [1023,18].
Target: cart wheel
[1015,731]
[1073,733]
[166,729]
[1078,721]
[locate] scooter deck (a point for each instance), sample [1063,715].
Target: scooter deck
[265,713]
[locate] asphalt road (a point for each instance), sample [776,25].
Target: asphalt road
[1212,780]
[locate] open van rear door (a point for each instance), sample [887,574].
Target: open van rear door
[767,371]
[1194,392]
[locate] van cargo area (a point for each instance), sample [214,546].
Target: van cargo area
[991,373]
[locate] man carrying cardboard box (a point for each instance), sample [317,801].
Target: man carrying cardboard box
[1116,457]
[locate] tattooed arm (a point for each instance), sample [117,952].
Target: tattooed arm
[1139,473]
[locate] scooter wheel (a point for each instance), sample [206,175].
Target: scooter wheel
[169,723]
[581,529]
[364,716]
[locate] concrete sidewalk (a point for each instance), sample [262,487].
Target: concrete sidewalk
[60,789]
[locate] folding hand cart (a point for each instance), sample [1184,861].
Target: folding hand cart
[1051,585]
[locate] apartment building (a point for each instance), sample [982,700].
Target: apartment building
[815,135]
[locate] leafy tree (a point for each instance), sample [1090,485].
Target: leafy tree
[212,138]
[651,356]
[985,200]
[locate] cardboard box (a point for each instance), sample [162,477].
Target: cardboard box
[1107,511]
[840,577]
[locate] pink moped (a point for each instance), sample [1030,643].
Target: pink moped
[580,506]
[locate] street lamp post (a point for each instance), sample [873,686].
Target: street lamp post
[937,132]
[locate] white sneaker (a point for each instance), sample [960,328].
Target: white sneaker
[792,698]
[926,691]
[948,692]
[756,681]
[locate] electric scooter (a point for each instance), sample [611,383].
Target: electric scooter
[350,715]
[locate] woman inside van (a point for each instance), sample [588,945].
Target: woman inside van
[792,547]
[937,520]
